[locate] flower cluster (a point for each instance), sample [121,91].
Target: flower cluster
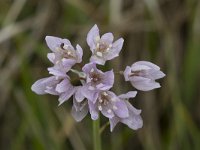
[91,87]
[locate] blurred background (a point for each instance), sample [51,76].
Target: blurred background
[165,32]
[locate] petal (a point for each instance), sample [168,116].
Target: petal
[155,74]
[97,60]
[57,71]
[92,35]
[79,110]
[107,111]
[121,109]
[127,72]
[134,121]
[79,52]
[66,95]
[91,95]
[78,95]
[144,84]
[113,122]
[115,49]
[93,110]
[68,63]
[108,80]
[64,86]
[40,86]
[51,91]
[54,42]
[149,64]
[137,67]
[107,37]
[128,95]
[51,57]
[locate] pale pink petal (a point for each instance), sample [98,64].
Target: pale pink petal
[93,110]
[51,57]
[66,95]
[54,42]
[115,49]
[97,60]
[130,94]
[91,37]
[40,86]
[78,95]
[113,122]
[107,37]
[121,109]
[79,110]
[127,72]
[144,84]
[147,63]
[79,52]
[134,121]
[64,86]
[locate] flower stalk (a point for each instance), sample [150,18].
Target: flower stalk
[96,134]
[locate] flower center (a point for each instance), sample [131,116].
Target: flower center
[95,77]
[137,73]
[102,47]
[103,100]
[67,51]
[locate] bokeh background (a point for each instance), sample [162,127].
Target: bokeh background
[165,32]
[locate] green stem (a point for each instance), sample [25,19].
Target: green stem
[96,134]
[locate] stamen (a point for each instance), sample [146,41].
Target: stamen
[99,54]
[97,38]
[105,102]
[58,48]
[69,53]
[100,100]
[115,107]
[105,94]
[109,111]
[57,62]
[65,46]
[92,70]
[97,45]
[100,108]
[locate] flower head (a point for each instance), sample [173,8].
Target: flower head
[143,74]
[63,52]
[90,88]
[96,81]
[103,48]
[134,120]
[46,86]
[59,84]
[109,105]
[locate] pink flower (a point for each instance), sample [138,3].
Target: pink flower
[63,52]
[96,81]
[103,48]
[133,120]
[143,74]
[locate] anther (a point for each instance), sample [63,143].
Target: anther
[109,111]
[99,54]
[115,107]
[100,108]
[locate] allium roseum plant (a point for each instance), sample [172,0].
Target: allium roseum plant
[90,87]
